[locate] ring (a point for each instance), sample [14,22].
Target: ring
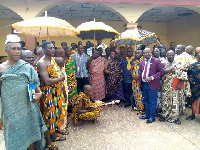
[34,96]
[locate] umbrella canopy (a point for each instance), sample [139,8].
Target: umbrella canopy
[95,30]
[135,36]
[45,27]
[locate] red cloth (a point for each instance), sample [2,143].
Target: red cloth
[97,79]
[176,81]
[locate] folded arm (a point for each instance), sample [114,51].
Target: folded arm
[45,77]
[80,106]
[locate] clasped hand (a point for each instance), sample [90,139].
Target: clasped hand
[62,75]
[37,96]
[93,108]
[135,77]
[149,79]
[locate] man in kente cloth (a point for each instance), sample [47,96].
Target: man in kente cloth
[23,123]
[84,107]
[53,95]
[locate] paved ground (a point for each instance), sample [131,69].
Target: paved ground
[120,129]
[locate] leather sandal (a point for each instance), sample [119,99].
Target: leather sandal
[60,138]
[64,132]
[52,146]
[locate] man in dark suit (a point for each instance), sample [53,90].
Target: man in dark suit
[151,70]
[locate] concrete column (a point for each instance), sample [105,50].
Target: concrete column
[30,42]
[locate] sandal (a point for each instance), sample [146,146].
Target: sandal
[60,138]
[190,117]
[162,119]
[52,146]
[94,120]
[64,132]
[177,121]
[134,109]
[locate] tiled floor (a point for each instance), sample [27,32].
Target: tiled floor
[120,129]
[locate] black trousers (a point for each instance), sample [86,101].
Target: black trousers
[80,83]
[128,92]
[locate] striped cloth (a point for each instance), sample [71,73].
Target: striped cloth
[97,79]
[23,122]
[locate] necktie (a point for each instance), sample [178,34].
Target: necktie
[145,71]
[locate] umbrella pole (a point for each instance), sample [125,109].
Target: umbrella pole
[47,34]
[94,40]
[135,48]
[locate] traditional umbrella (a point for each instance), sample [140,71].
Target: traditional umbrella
[136,36]
[95,30]
[45,27]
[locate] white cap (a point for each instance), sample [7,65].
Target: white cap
[12,38]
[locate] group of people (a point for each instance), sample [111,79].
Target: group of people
[74,79]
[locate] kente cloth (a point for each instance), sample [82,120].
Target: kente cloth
[171,99]
[71,80]
[66,99]
[55,107]
[194,73]
[40,102]
[114,81]
[73,51]
[129,62]
[22,120]
[97,79]
[137,93]
[87,105]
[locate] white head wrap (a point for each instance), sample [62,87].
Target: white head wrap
[12,38]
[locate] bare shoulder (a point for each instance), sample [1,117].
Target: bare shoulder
[3,66]
[164,63]
[42,64]
[41,61]
[108,61]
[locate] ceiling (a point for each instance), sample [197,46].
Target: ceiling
[7,14]
[89,11]
[165,14]
[82,11]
